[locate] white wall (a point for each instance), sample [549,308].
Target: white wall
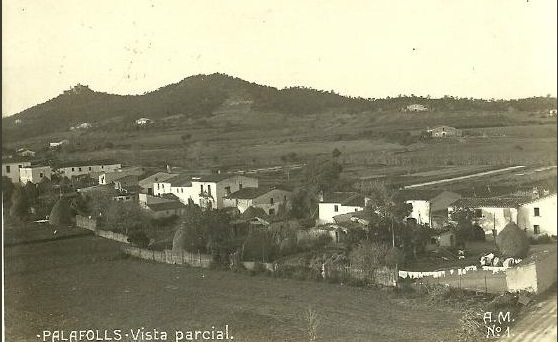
[218,189]
[13,175]
[421,211]
[34,174]
[546,219]
[71,171]
[327,211]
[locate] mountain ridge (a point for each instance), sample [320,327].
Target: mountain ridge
[201,95]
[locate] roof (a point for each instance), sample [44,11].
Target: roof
[418,195]
[345,198]
[358,215]
[249,193]
[180,180]
[87,162]
[252,212]
[165,205]
[492,202]
[157,177]
[213,178]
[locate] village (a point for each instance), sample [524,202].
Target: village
[233,218]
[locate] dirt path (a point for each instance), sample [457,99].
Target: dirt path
[453,179]
[538,323]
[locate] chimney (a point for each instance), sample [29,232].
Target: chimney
[321,196]
[168,169]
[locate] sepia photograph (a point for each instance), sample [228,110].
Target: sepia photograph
[290,171]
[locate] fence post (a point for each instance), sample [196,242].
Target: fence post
[485,284]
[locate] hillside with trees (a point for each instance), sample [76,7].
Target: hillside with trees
[200,96]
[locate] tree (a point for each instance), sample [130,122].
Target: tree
[7,190]
[463,228]
[259,246]
[385,210]
[126,217]
[61,213]
[322,175]
[202,231]
[335,153]
[368,256]
[512,241]
[20,204]
[138,238]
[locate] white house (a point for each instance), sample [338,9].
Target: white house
[444,132]
[79,168]
[267,199]
[25,152]
[336,203]
[428,204]
[416,108]
[34,174]
[111,176]
[552,112]
[538,216]
[59,143]
[84,125]
[179,185]
[147,183]
[208,191]
[535,214]
[143,121]
[12,169]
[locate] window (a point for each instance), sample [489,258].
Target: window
[20,166]
[227,190]
[271,200]
[478,213]
[102,166]
[201,188]
[536,229]
[336,208]
[8,168]
[41,175]
[73,168]
[79,169]
[537,211]
[356,209]
[209,189]
[271,211]
[239,185]
[285,198]
[90,168]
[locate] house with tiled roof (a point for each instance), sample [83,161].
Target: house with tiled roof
[147,183]
[89,167]
[208,191]
[429,206]
[270,200]
[11,168]
[335,203]
[161,207]
[534,214]
[179,185]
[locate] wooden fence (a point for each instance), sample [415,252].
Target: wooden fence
[170,257]
[384,276]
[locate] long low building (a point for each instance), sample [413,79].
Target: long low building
[78,168]
[535,215]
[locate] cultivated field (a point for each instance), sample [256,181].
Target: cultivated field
[83,283]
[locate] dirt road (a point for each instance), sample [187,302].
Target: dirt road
[538,323]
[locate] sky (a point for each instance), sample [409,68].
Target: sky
[373,49]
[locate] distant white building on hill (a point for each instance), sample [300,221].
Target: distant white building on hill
[143,121]
[416,108]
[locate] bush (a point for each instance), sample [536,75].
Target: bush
[395,257]
[513,242]
[540,239]
[138,238]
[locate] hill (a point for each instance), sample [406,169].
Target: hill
[201,96]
